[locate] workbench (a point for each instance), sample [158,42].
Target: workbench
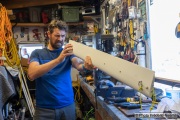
[103,111]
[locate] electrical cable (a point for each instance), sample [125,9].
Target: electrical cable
[78,96]
[153,100]
[5,31]
[87,114]
[140,90]
[8,50]
[11,55]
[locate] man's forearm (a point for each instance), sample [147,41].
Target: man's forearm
[35,71]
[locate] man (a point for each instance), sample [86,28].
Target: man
[24,53]
[51,68]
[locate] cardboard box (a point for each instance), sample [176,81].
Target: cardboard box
[24,62]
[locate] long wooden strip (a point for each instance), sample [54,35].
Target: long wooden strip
[129,73]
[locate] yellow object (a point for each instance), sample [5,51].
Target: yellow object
[153,100]
[128,99]
[76,86]
[131,32]
[129,3]
[89,78]
[95,28]
[140,90]
[107,32]
[5,31]
[11,54]
[178,28]
[9,50]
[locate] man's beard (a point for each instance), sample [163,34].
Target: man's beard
[57,45]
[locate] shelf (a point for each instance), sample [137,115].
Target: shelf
[75,23]
[30,24]
[96,18]
[42,24]
[30,42]
[14,4]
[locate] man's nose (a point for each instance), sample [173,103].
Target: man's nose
[60,38]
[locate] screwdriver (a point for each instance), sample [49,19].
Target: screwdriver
[120,99]
[128,105]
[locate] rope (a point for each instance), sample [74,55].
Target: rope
[5,31]
[9,50]
[140,90]
[78,96]
[153,100]
[11,54]
[87,114]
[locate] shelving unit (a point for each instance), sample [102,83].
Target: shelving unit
[29,24]
[42,24]
[18,4]
[95,18]
[15,4]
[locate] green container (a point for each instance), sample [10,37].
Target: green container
[70,14]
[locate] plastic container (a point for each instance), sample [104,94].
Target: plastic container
[70,13]
[173,93]
[35,14]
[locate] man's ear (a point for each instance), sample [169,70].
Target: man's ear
[48,33]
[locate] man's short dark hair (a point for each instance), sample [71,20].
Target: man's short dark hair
[61,25]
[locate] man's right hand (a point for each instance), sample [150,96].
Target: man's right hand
[67,51]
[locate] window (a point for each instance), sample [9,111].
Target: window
[164,15]
[25,50]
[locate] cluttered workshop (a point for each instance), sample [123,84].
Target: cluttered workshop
[133,46]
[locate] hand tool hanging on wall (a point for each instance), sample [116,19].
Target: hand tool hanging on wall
[145,31]
[120,41]
[131,33]
[117,21]
[128,53]
[124,12]
[132,16]
[107,18]
[124,16]
[96,28]
[103,20]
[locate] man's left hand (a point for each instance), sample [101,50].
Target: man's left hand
[88,63]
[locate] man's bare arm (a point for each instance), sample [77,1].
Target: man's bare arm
[80,65]
[35,70]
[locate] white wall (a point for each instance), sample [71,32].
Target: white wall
[165,47]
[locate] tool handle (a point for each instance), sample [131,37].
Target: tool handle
[133,106]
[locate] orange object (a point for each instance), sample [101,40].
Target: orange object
[5,31]
[1,61]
